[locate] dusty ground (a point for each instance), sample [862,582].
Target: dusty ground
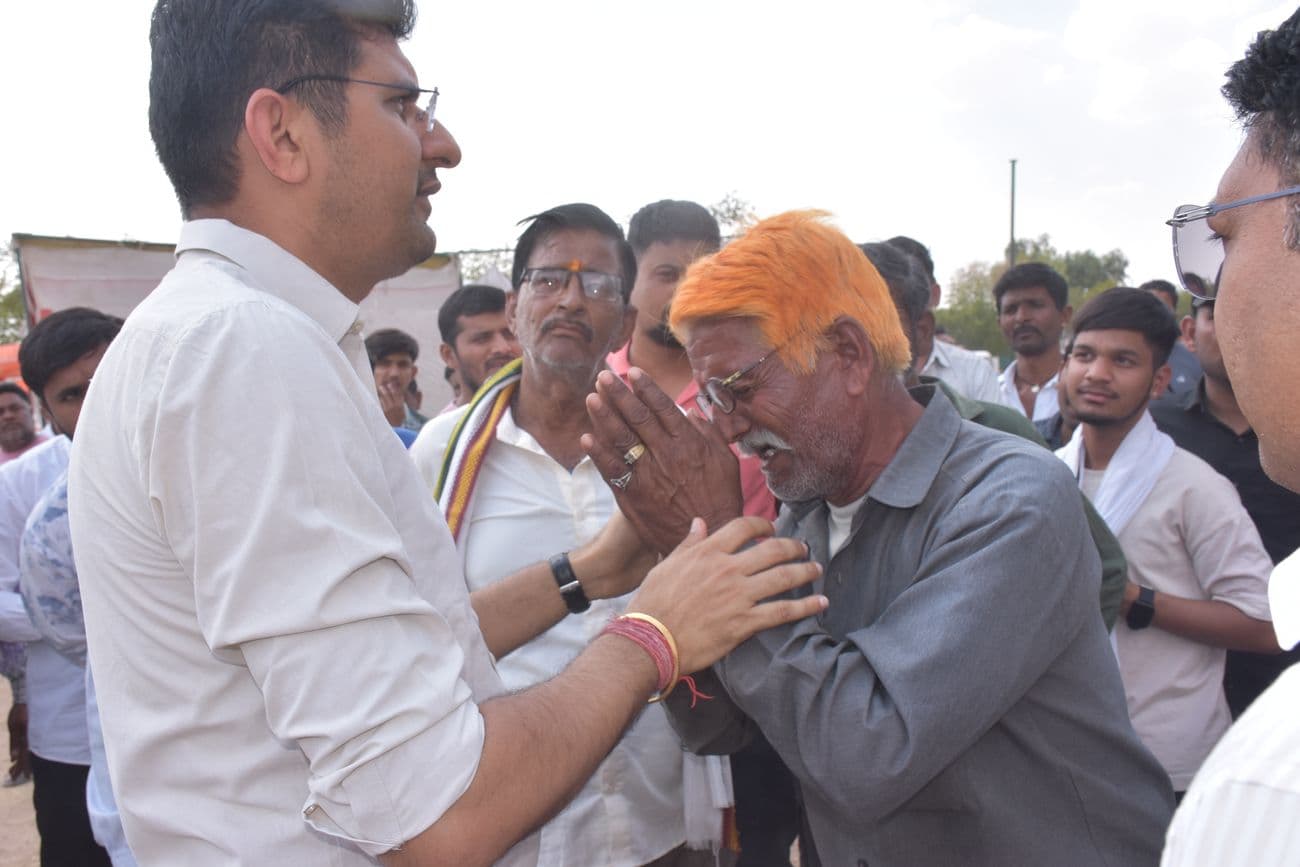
[18,840]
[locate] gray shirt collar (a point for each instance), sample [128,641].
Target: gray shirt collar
[908,477]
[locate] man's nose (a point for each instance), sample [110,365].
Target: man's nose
[732,425]
[440,147]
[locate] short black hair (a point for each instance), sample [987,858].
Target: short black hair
[209,56]
[390,341]
[15,388]
[578,215]
[1264,90]
[1029,275]
[904,276]
[61,339]
[1128,309]
[469,300]
[673,220]
[916,250]
[1163,286]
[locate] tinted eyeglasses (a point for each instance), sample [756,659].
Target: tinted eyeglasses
[596,285]
[1198,249]
[420,118]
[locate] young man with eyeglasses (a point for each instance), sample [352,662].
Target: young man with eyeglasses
[534,495]
[1243,808]
[288,667]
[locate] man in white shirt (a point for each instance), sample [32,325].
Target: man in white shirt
[1244,806]
[536,495]
[1033,309]
[971,374]
[1198,572]
[58,358]
[324,694]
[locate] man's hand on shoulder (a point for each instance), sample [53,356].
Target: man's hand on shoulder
[709,592]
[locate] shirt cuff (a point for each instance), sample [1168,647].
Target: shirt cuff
[399,794]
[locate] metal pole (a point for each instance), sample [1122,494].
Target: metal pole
[1011,249]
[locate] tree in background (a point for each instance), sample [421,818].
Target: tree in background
[969,314]
[12,313]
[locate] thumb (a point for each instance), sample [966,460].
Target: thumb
[697,534]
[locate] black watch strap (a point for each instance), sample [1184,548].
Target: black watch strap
[570,587]
[1143,609]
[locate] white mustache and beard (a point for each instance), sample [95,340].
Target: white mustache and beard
[814,470]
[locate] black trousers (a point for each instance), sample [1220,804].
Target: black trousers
[59,795]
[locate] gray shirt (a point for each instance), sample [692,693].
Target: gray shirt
[958,702]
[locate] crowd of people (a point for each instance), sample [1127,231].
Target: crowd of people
[720,550]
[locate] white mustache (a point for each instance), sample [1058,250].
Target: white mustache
[756,440]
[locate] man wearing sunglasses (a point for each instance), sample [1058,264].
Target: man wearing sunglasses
[1243,807]
[288,667]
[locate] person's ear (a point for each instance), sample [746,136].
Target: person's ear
[276,128]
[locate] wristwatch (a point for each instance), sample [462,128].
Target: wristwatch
[570,588]
[1142,610]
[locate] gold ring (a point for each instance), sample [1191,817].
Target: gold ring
[633,454]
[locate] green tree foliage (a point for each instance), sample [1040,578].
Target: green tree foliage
[12,312]
[969,314]
[734,214]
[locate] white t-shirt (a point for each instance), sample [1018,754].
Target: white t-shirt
[275,617]
[524,508]
[1191,537]
[1046,404]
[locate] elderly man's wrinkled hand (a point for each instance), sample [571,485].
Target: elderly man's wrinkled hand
[664,467]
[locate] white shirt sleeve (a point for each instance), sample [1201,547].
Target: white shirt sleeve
[15,625]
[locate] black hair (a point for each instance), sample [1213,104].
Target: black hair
[447,372]
[15,388]
[574,216]
[904,276]
[916,250]
[61,339]
[1029,275]
[209,56]
[1128,309]
[1164,287]
[673,220]
[1264,90]
[469,300]
[390,341]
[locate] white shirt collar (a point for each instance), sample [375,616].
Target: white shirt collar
[275,271]
[1284,601]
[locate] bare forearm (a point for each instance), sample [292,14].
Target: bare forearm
[1217,624]
[520,607]
[539,747]
[515,610]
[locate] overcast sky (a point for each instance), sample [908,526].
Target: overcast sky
[899,118]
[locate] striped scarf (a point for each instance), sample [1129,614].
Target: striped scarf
[469,443]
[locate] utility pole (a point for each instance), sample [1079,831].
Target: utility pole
[1011,248]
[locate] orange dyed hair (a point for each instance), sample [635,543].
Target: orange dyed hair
[794,274]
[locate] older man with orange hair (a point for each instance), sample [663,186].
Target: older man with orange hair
[958,701]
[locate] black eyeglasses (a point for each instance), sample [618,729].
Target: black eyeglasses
[1198,249]
[596,285]
[717,393]
[422,119]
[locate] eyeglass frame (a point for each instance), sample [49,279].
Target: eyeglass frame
[411,89]
[572,270]
[1178,221]
[706,399]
